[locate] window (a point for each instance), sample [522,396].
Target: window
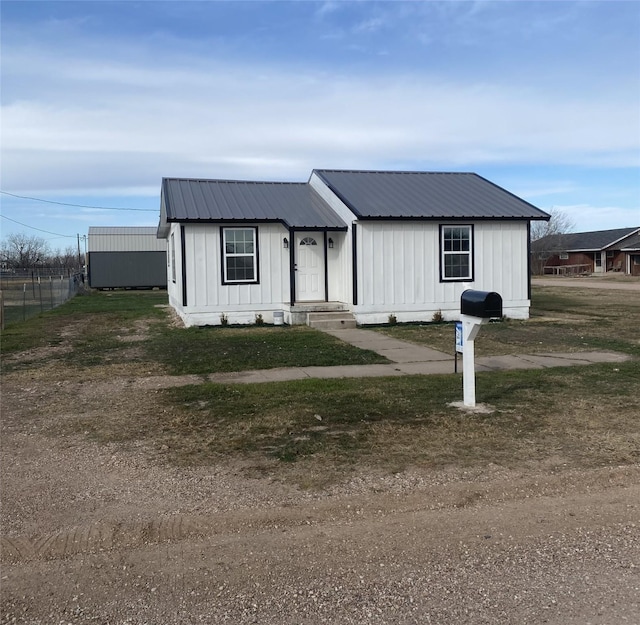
[239,255]
[308,241]
[564,256]
[456,245]
[172,256]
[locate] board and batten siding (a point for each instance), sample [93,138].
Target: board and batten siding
[207,298]
[399,270]
[339,259]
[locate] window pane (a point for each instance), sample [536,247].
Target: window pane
[456,239]
[239,255]
[240,268]
[456,266]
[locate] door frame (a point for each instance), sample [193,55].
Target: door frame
[293,233]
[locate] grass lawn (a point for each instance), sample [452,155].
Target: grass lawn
[561,321]
[100,326]
[314,431]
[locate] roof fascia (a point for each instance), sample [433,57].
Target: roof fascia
[259,221]
[449,218]
[626,236]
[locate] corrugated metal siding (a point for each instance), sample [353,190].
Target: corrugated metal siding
[114,270]
[121,239]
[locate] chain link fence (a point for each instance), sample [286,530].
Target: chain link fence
[25,293]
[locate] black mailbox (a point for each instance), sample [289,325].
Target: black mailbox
[484,304]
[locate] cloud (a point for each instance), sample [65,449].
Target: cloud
[591,218]
[124,119]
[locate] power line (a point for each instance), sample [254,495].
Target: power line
[104,208]
[65,236]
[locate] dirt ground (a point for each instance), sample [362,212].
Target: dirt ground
[113,535]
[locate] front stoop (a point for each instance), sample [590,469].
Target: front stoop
[339,320]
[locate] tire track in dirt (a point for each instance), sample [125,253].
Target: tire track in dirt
[99,537]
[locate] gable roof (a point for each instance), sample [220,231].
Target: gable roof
[425,195]
[294,204]
[589,241]
[633,243]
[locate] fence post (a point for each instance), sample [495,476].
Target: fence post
[1,311]
[24,301]
[40,293]
[51,290]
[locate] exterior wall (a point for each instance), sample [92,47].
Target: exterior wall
[125,240]
[575,258]
[399,270]
[339,259]
[633,263]
[117,270]
[206,297]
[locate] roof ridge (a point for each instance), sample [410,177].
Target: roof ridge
[396,171]
[229,181]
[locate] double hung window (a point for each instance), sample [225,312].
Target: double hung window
[239,255]
[456,253]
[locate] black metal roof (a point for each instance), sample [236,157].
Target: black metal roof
[295,204]
[425,195]
[589,241]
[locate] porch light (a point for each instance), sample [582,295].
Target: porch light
[285,243]
[330,242]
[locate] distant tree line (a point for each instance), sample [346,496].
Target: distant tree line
[21,251]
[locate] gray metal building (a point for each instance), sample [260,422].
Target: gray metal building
[126,258]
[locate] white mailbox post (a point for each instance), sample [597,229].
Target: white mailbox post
[476,308]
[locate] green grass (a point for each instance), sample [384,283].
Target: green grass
[565,417]
[96,314]
[573,320]
[97,327]
[217,349]
[312,431]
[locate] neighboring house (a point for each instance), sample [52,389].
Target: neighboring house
[631,249]
[373,243]
[593,252]
[123,257]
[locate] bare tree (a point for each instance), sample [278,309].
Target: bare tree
[67,258]
[19,250]
[549,238]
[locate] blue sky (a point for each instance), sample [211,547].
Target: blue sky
[100,100]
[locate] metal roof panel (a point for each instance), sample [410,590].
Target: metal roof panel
[425,195]
[295,204]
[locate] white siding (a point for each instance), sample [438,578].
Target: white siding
[399,270]
[208,298]
[339,259]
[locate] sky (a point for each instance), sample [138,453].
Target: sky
[101,100]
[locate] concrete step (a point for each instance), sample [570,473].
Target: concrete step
[331,320]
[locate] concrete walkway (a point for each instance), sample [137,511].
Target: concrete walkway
[410,359]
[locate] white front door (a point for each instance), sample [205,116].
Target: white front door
[309,267]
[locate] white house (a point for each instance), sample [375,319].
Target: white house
[373,243]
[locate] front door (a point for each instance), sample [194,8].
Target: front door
[309,267]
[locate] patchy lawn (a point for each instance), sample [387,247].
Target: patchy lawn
[561,321]
[129,329]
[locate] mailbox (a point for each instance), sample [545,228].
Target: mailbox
[483,304]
